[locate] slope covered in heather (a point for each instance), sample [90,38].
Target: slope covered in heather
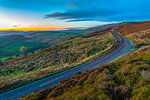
[138,32]
[126,78]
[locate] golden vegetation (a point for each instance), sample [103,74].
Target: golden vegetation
[139,33]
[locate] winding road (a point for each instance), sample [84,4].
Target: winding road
[122,48]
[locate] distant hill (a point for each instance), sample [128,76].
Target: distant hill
[102,26]
[6,33]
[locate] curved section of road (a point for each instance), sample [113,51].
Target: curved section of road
[122,48]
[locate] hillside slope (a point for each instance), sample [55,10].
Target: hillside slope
[11,41]
[46,62]
[138,32]
[126,78]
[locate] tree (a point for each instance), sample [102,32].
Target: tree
[23,49]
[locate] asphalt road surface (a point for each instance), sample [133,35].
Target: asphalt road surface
[122,48]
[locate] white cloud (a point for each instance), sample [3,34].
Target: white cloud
[9,21]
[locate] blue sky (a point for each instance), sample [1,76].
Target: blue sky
[71,13]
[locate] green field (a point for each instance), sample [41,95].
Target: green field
[5,58]
[11,47]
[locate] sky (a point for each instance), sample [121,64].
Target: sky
[60,14]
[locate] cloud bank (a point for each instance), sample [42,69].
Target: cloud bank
[102,10]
